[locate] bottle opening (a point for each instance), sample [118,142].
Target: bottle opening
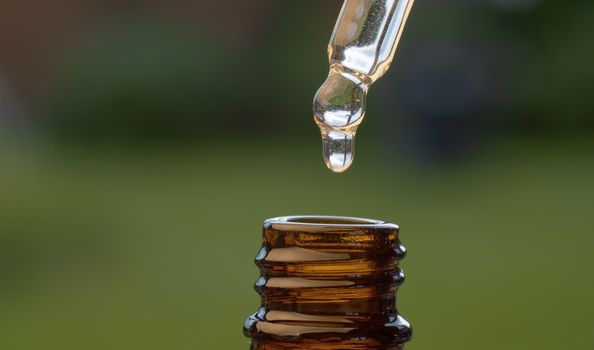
[328,220]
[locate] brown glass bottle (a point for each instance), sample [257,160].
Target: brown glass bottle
[328,283]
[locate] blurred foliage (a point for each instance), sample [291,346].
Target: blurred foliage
[144,78]
[141,79]
[555,51]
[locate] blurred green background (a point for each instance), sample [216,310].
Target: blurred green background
[142,144]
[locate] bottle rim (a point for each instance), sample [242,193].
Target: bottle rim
[297,221]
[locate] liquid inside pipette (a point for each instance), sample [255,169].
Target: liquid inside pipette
[339,108]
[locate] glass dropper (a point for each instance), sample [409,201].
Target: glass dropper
[360,51]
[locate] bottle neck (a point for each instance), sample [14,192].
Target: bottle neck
[333,270]
[329,278]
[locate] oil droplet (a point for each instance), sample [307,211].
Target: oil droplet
[338,149]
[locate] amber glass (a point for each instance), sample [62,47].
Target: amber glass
[328,283]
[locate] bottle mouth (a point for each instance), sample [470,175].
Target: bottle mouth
[321,220]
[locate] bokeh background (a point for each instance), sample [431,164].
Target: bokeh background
[142,144]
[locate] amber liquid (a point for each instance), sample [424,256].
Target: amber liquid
[328,283]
